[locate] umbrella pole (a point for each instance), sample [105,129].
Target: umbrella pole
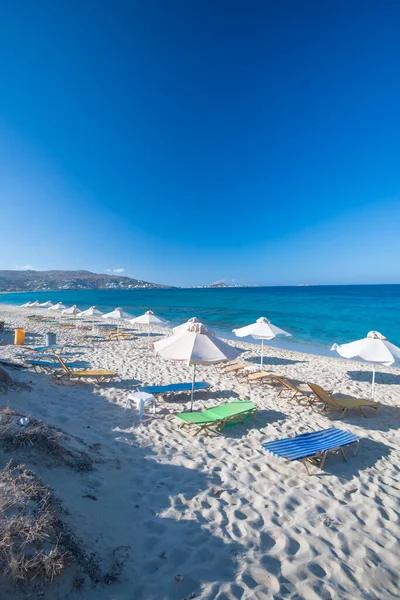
[148,353]
[193,381]
[373,382]
[262,352]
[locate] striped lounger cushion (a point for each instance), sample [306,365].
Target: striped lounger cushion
[307,445]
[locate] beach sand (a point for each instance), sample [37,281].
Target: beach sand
[174,517]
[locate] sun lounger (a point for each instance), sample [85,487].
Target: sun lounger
[51,365]
[216,418]
[26,356]
[313,446]
[114,335]
[258,377]
[233,368]
[228,365]
[93,338]
[174,388]
[341,402]
[299,392]
[47,348]
[99,375]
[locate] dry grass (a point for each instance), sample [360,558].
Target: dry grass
[40,437]
[35,542]
[30,528]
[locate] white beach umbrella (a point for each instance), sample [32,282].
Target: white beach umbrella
[185,326]
[72,310]
[374,348]
[46,304]
[149,318]
[196,347]
[91,312]
[35,304]
[58,306]
[118,314]
[26,305]
[262,330]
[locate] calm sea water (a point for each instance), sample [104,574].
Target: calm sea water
[315,316]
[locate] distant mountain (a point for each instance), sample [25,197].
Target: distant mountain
[21,281]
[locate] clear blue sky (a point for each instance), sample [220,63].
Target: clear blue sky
[186,142]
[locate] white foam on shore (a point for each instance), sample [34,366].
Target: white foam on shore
[230,519]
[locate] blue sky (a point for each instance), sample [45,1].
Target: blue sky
[186,142]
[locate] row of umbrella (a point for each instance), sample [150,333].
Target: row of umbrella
[193,343]
[118,314]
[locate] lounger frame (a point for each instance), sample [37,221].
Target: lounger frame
[67,375]
[319,458]
[194,429]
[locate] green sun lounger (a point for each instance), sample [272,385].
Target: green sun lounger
[194,423]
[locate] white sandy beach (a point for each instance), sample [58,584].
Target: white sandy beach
[218,518]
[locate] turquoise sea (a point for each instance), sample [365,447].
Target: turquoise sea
[316,316]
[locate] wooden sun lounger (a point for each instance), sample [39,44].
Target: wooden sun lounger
[114,335]
[258,377]
[233,368]
[342,402]
[228,365]
[98,375]
[298,392]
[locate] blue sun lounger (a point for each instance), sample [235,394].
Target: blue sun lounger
[26,356]
[174,388]
[48,365]
[312,446]
[46,348]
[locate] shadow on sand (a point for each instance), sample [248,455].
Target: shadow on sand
[369,453]
[387,418]
[262,419]
[366,376]
[166,536]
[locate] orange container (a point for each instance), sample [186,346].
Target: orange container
[19,337]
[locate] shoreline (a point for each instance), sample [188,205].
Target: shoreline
[292,345]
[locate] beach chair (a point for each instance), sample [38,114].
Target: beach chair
[98,375]
[230,365]
[48,348]
[115,336]
[216,418]
[299,392]
[174,388]
[312,447]
[26,356]
[51,366]
[233,368]
[258,377]
[93,338]
[341,402]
